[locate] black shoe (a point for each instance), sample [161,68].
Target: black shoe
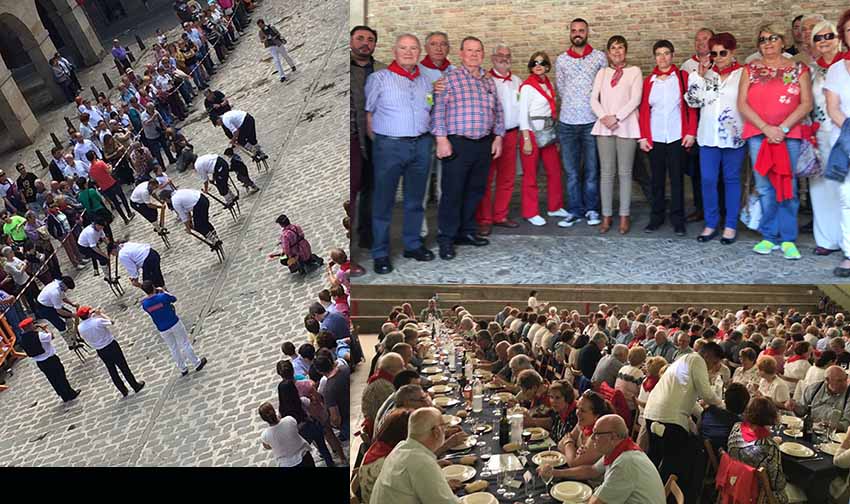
[651,228]
[728,241]
[141,386]
[73,396]
[708,237]
[382,266]
[473,240]
[841,272]
[293,69]
[202,364]
[679,230]
[420,254]
[184,373]
[447,252]
[96,272]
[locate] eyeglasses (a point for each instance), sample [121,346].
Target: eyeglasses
[722,53]
[771,38]
[599,434]
[539,63]
[825,36]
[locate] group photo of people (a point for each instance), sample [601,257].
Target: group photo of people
[615,404]
[716,139]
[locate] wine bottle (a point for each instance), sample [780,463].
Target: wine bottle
[807,424]
[504,428]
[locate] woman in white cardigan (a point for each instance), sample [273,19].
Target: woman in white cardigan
[839,489]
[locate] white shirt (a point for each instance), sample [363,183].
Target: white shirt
[532,103]
[675,395]
[95,331]
[690,65]
[508,93]
[205,165]
[776,390]
[17,268]
[80,150]
[746,376]
[47,344]
[838,81]
[287,444]
[720,123]
[665,121]
[94,114]
[183,201]
[411,475]
[233,119]
[132,255]
[79,169]
[89,237]
[797,369]
[140,194]
[51,295]
[813,375]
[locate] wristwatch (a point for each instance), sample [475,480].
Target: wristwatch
[786,129]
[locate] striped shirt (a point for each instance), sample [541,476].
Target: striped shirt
[399,106]
[468,107]
[574,80]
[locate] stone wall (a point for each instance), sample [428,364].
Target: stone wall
[530,25]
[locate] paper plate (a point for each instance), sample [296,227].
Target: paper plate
[538,433]
[796,450]
[830,448]
[482,428]
[552,458]
[439,389]
[438,378]
[571,491]
[838,437]
[459,472]
[429,362]
[431,370]
[467,443]
[444,401]
[452,420]
[791,421]
[479,498]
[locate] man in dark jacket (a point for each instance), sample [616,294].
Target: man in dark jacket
[37,342]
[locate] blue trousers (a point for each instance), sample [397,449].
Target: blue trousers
[714,162]
[778,219]
[577,143]
[394,158]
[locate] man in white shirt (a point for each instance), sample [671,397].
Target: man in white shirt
[411,474]
[140,201]
[213,166]
[671,404]
[73,168]
[494,206]
[82,147]
[37,342]
[193,209]
[88,241]
[94,328]
[50,307]
[240,128]
[139,258]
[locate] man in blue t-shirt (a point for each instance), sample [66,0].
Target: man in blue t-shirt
[159,304]
[331,322]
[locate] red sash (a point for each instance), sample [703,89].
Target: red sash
[731,68]
[650,382]
[656,71]
[793,358]
[587,50]
[428,63]
[535,81]
[497,76]
[397,69]
[752,433]
[379,449]
[838,57]
[624,446]
[379,374]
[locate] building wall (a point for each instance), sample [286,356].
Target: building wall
[530,25]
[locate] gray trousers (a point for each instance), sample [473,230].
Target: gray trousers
[616,157]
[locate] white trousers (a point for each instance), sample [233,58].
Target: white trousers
[844,206]
[178,342]
[277,52]
[826,207]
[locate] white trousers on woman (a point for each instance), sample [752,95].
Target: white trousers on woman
[844,206]
[277,52]
[178,342]
[826,207]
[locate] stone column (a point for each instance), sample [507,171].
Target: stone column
[21,124]
[82,34]
[40,50]
[357,13]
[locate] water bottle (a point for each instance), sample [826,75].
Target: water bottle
[477,396]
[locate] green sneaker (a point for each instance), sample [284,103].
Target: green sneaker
[790,251]
[764,247]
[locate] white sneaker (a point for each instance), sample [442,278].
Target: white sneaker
[558,213]
[537,221]
[592,218]
[569,220]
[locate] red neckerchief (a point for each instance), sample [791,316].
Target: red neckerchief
[793,358]
[428,63]
[623,446]
[587,431]
[535,81]
[838,57]
[569,410]
[379,449]
[656,71]
[752,433]
[770,351]
[587,50]
[397,69]
[380,374]
[497,76]
[618,74]
[650,382]
[345,266]
[731,68]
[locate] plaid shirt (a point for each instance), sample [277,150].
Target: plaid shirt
[468,107]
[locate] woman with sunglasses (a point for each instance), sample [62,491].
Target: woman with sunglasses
[775,95]
[714,91]
[837,93]
[615,99]
[537,114]
[825,197]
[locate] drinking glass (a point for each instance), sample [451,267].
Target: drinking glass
[526,437]
[500,480]
[509,494]
[529,487]
[547,479]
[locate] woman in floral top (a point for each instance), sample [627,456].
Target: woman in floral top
[714,90]
[773,98]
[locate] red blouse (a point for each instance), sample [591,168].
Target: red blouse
[773,94]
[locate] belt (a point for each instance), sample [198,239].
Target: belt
[486,138]
[403,139]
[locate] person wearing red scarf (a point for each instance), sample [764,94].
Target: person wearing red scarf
[536,110]
[379,387]
[667,128]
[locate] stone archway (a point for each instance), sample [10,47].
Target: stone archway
[35,48]
[73,28]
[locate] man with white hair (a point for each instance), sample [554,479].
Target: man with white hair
[826,396]
[398,118]
[609,366]
[411,474]
[379,387]
[660,346]
[682,342]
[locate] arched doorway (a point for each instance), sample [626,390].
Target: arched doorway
[70,30]
[26,54]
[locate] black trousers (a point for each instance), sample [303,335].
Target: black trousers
[113,358]
[248,131]
[664,159]
[241,171]
[669,453]
[94,256]
[150,214]
[55,372]
[463,183]
[117,197]
[201,216]
[221,176]
[151,269]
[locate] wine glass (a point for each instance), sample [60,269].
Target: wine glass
[509,494]
[529,487]
[526,437]
[500,480]
[547,477]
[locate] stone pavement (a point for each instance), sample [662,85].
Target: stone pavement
[239,312]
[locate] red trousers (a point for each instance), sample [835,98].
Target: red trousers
[552,164]
[503,169]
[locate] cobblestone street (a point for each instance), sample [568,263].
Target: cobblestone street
[238,312]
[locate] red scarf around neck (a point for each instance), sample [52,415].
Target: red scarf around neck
[378,450]
[587,431]
[656,71]
[623,446]
[695,58]
[770,351]
[397,69]
[380,374]
[752,433]
[731,68]
[650,382]
[618,74]
[568,411]
[587,50]
[535,82]
[506,78]
[345,266]
[793,358]
[428,63]
[838,57]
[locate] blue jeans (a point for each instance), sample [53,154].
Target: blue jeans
[778,219]
[712,162]
[576,140]
[394,158]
